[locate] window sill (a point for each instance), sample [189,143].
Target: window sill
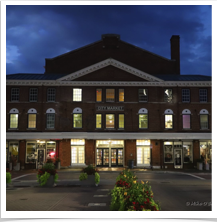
[186,129]
[31,129]
[49,128]
[205,129]
[110,129]
[13,129]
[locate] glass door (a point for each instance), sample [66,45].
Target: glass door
[41,157]
[77,155]
[143,156]
[102,157]
[116,157]
[178,162]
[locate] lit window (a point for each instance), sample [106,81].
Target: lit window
[51,95]
[50,120]
[77,95]
[186,120]
[121,95]
[98,121]
[168,96]
[51,150]
[203,95]
[99,95]
[185,95]
[32,121]
[168,152]
[143,121]
[110,121]
[13,121]
[204,121]
[143,95]
[15,94]
[30,152]
[77,120]
[77,155]
[33,95]
[110,95]
[121,121]
[168,121]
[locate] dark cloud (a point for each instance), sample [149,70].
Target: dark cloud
[38,32]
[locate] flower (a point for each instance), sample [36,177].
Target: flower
[134,203]
[125,193]
[125,176]
[142,182]
[134,181]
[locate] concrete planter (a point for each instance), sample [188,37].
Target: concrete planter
[17,167]
[207,166]
[199,166]
[58,165]
[50,182]
[89,182]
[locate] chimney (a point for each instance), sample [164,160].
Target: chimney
[175,52]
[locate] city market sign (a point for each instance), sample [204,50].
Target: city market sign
[110,108]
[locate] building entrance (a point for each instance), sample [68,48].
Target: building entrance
[110,153]
[178,162]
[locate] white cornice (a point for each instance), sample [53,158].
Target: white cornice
[99,135]
[114,63]
[108,83]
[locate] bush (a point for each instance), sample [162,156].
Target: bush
[50,161]
[130,195]
[97,178]
[83,176]
[90,170]
[8,177]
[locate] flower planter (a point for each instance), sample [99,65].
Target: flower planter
[50,182]
[90,181]
[57,165]
[17,167]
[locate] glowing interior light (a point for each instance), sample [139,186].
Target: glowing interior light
[52,153]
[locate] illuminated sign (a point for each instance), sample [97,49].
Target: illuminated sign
[110,108]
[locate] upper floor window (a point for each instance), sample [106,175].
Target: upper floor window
[99,95]
[51,95]
[121,95]
[33,95]
[110,121]
[186,95]
[98,121]
[168,119]
[143,118]
[32,118]
[14,118]
[168,95]
[77,95]
[15,94]
[77,118]
[203,95]
[121,121]
[186,119]
[143,95]
[204,119]
[50,113]
[110,95]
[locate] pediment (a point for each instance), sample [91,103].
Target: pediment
[110,62]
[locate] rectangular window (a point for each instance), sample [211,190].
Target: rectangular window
[186,120]
[143,121]
[168,152]
[204,121]
[168,121]
[32,121]
[77,120]
[110,121]
[168,95]
[77,155]
[121,121]
[98,121]
[30,152]
[51,150]
[50,120]
[99,95]
[143,95]
[15,94]
[185,95]
[33,95]
[51,95]
[203,95]
[110,95]
[77,95]
[187,152]
[121,95]
[14,150]
[13,121]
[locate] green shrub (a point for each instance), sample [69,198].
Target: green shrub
[8,177]
[90,170]
[83,176]
[97,178]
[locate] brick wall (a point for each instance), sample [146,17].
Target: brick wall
[65,152]
[90,152]
[156,145]
[22,152]
[196,151]
[130,148]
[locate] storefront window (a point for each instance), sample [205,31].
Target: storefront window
[51,150]
[14,149]
[206,151]
[168,152]
[187,152]
[30,152]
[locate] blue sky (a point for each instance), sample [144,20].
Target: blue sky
[36,32]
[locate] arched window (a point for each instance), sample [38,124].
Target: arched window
[77,118]
[32,118]
[14,118]
[50,114]
[186,119]
[143,118]
[204,119]
[168,119]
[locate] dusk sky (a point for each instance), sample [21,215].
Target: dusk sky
[34,33]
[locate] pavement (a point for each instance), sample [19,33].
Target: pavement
[25,194]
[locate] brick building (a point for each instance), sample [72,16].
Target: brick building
[107,103]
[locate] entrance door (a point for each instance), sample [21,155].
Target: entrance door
[41,158]
[116,157]
[143,156]
[103,157]
[178,162]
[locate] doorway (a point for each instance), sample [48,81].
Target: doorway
[116,157]
[40,158]
[143,156]
[178,161]
[102,157]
